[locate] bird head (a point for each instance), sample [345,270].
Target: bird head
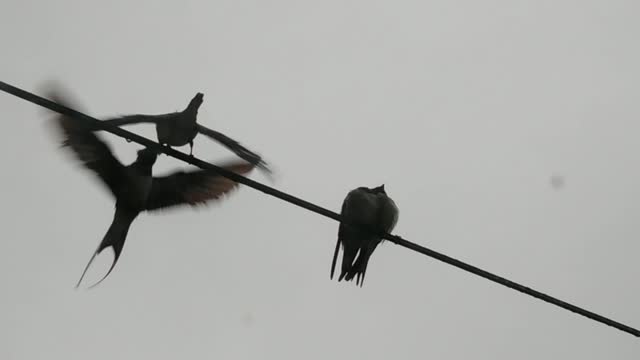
[147,156]
[379,190]
[196,102]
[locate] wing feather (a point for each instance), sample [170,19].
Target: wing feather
[194,187]
[92,152]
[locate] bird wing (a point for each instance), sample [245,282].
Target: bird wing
[341,234]
[235,147]
[193,187]
[140,118]
[88,148]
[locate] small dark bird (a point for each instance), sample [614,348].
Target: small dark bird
[180,128]
[374,213]
[134,188]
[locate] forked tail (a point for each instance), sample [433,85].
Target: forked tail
[114,238]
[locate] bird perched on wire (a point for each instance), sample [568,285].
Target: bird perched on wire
[134,188]
[180,128]
[372,213]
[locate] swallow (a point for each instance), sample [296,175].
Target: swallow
[181,128]
[133,187]
[372,214]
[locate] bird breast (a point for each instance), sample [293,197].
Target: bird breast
[136,193]
[376,210]
[361,207]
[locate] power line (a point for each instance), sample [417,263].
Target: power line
[309,206]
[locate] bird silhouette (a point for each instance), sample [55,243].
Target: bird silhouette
[134,188]
[372,213]
[180,128]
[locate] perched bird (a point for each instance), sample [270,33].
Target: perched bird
[180,128]
[373,213]
[134,188]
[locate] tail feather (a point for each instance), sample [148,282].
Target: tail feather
[359,268]
[348,256]
[114,238]
[362,272]
[335,258]
[235,147]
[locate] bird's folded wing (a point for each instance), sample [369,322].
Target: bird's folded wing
[343,213]
[388,214]
[88,148]
[341,234]
[194,187]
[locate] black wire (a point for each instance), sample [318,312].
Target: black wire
[309,206]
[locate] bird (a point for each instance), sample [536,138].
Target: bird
[134,187]
[181,128]
[372,213]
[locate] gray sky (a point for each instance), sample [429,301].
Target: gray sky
[465,110]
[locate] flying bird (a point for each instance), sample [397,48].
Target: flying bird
[180,128]
[134,188]
[373,213]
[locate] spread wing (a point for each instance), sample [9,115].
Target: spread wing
[193,188]
[235,147]
[145,118]
[141,118]
[88,148]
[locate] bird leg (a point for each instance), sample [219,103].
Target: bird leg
[191,148]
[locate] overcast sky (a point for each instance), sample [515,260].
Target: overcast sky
[466,110]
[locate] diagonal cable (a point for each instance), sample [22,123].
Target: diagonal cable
[25,95]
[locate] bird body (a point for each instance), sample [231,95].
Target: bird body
[138,177]
[178,129]
[372,213]
[176,133]
[134,188]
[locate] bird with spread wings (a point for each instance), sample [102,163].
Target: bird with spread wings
[181,128]
[134,187]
